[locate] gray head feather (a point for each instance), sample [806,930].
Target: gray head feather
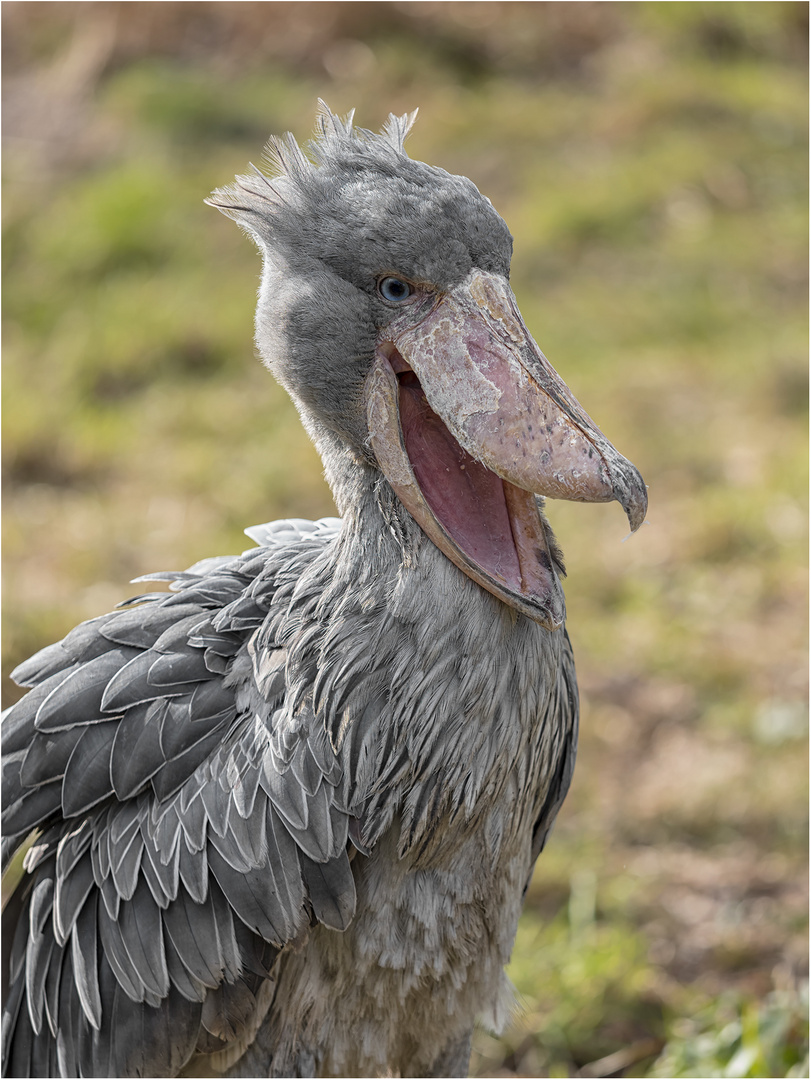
[359,204]
[329,224]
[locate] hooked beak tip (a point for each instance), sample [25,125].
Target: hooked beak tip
[631,493]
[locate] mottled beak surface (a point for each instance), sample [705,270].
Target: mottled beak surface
[468,421]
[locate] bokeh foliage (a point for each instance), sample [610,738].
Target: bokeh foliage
[651,162]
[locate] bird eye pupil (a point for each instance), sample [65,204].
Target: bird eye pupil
[394,289]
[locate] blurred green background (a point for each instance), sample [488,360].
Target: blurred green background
[651,162]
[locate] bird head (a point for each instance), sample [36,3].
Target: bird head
[385,311]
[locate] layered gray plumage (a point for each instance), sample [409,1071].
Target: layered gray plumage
[286,813]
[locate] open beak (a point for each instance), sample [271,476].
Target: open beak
[469,421]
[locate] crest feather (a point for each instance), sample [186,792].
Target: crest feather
[329,123]
[398,128]
[253,198]
[284,156]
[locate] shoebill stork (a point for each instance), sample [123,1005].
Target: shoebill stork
[285,814]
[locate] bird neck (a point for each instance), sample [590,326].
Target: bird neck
[379,535]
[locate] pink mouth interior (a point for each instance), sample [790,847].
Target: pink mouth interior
[467,499]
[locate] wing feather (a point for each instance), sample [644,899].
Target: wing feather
[173,774]
[566,704]
[83,643]
[87,775]
[130,685]
[32,809]
[245,841]
[84,954]
[119,959]
[161,880]
[17,1050]
[141,928]
[126,864]
[193,870]
[188,926]
[331,889]
[140,627]
[185,842]
[137,753]
[180,668]
[111,897]
[38,949]
[72,890]
[18,721]
[193,819]
[180,977]
[47,756]
[51,996]
[284,856]
[78,698]
[253,896]
[70,1017]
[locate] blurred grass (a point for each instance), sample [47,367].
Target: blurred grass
[651,161]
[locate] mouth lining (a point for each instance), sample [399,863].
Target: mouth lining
[471,503]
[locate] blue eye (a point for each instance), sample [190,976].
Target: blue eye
[394,289]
